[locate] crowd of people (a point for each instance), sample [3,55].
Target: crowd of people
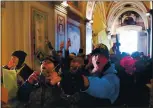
[77,80]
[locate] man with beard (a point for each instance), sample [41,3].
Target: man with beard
[100,88]
[37,92]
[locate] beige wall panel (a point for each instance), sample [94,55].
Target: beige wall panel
[27,26]
[8,32]
[16,27]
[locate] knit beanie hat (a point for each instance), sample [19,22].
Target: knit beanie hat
[128,63]
[21,55]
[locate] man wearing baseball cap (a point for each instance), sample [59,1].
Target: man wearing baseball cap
[37,92]
[101,88]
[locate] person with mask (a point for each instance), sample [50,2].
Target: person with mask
[13,76]
[99,88]
[17,62]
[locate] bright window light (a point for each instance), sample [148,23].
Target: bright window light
[128,40]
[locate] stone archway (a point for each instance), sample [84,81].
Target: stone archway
[120,8]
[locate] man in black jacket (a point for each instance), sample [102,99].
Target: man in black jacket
[37,92]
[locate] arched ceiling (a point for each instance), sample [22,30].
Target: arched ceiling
[99,17]
[104,13]
[121,7]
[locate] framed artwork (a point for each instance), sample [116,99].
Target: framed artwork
[74,36]
[39,33]
[60,30]
[3,4]
[60,25]
[39,30]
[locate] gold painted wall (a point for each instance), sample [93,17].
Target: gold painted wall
[101,10]
[100,13]
[147,4]
[16,27]
[99,18]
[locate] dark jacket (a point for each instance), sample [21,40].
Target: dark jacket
[102,91]
[25,71]
[40,95]
[133,91]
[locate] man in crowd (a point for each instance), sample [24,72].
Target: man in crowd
[17,62]
[13,76]
[37,91]
[100,88]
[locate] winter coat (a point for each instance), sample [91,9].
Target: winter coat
[106,87]
[40,95]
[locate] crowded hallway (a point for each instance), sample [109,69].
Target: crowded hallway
[76,54]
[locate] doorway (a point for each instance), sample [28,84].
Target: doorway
[129,41]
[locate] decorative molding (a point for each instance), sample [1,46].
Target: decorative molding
[74,5]
[70,8]
[121,4]
[60,37]
[129,27]
[73,22]
[112,24]
[118,9]
[39,32]
[61,9]
[89,10]
[39,25]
